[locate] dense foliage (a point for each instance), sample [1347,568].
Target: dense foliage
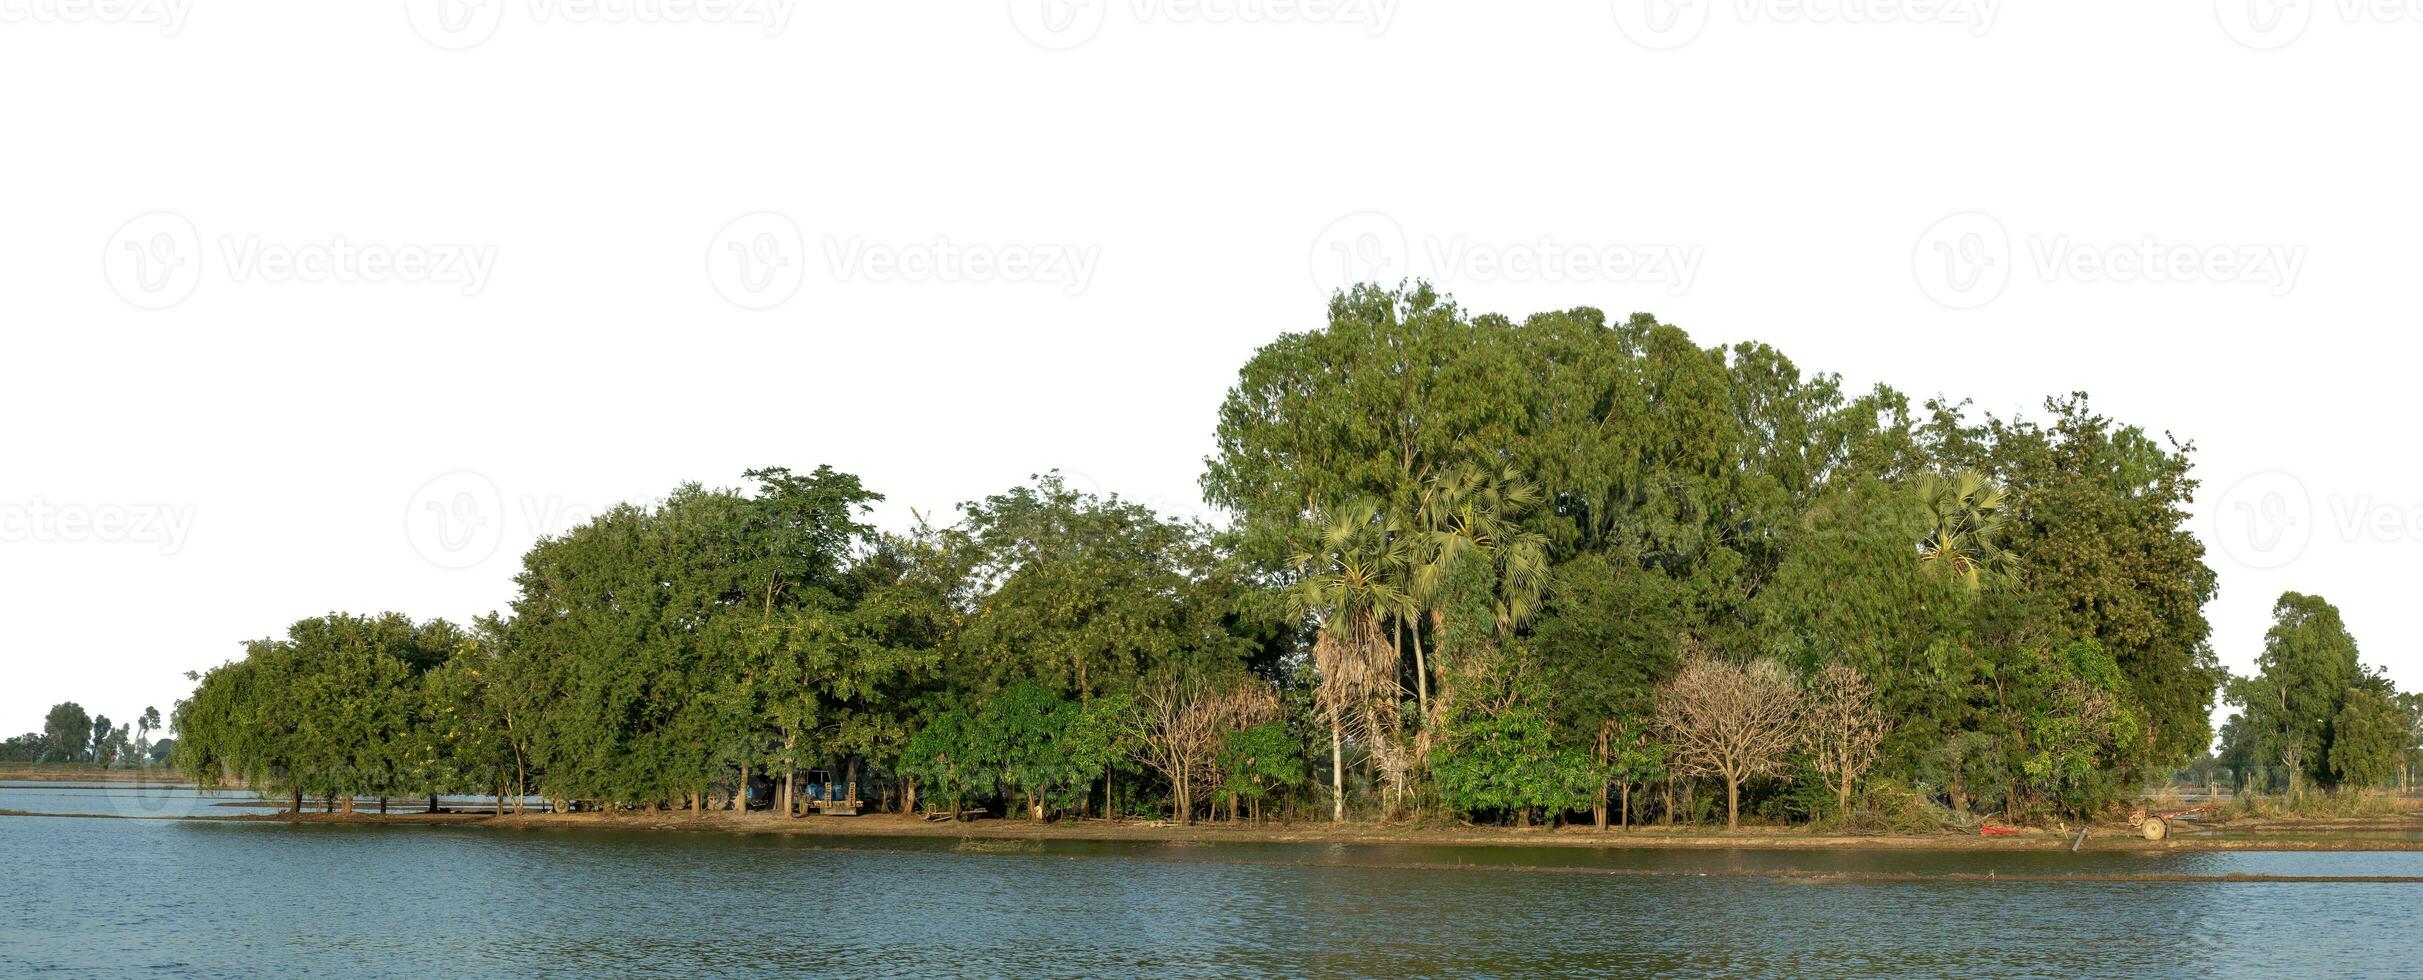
[1476,565]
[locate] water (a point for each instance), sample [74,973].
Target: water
[191,898]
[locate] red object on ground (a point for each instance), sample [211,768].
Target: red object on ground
[1991,831]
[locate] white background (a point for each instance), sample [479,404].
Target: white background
[275,444]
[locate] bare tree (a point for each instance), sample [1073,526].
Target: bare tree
[1732,721]
[1186,723]
[1844,728]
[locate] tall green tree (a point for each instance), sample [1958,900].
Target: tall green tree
[68,730]
[2308,663]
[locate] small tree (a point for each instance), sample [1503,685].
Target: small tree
[942,758]
[1507,759]
[1844,728]
[1186,724]
[1732,721]
[1257,761]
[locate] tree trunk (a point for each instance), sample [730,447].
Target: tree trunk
[298,801]
[433,802]
[1733,803]
[1623,813]
[853,786]
[790,792]
[1598,813]
[740,797]
[1337,768]
[1421,675]
[348,805]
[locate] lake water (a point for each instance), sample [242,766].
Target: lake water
[112,897]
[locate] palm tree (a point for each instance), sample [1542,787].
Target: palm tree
[1347,584]
[1966,519]
[1472,511]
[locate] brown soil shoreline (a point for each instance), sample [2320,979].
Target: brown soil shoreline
[2271,835]
[2398,833]
[2333,835]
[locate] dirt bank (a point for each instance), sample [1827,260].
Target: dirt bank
[2341,835]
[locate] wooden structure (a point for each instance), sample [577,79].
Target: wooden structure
[829,803]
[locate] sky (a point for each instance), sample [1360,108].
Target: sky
[310,307]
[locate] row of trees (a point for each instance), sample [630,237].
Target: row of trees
[70,734]
[1479,566]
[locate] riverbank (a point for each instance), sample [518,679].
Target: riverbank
[54,772]
[2404,833]
[2380,832]
[2388,834]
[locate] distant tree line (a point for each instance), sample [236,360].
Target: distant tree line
[70,735]
[1514,571]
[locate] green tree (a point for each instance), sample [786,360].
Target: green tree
[1259,762]
[1499,754]
[2368,737]
[2308,663]
[68,732]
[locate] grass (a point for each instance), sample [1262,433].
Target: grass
[2321,805]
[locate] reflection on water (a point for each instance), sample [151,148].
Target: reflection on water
[187,898]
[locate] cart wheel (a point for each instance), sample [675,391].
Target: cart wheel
[2155,828]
